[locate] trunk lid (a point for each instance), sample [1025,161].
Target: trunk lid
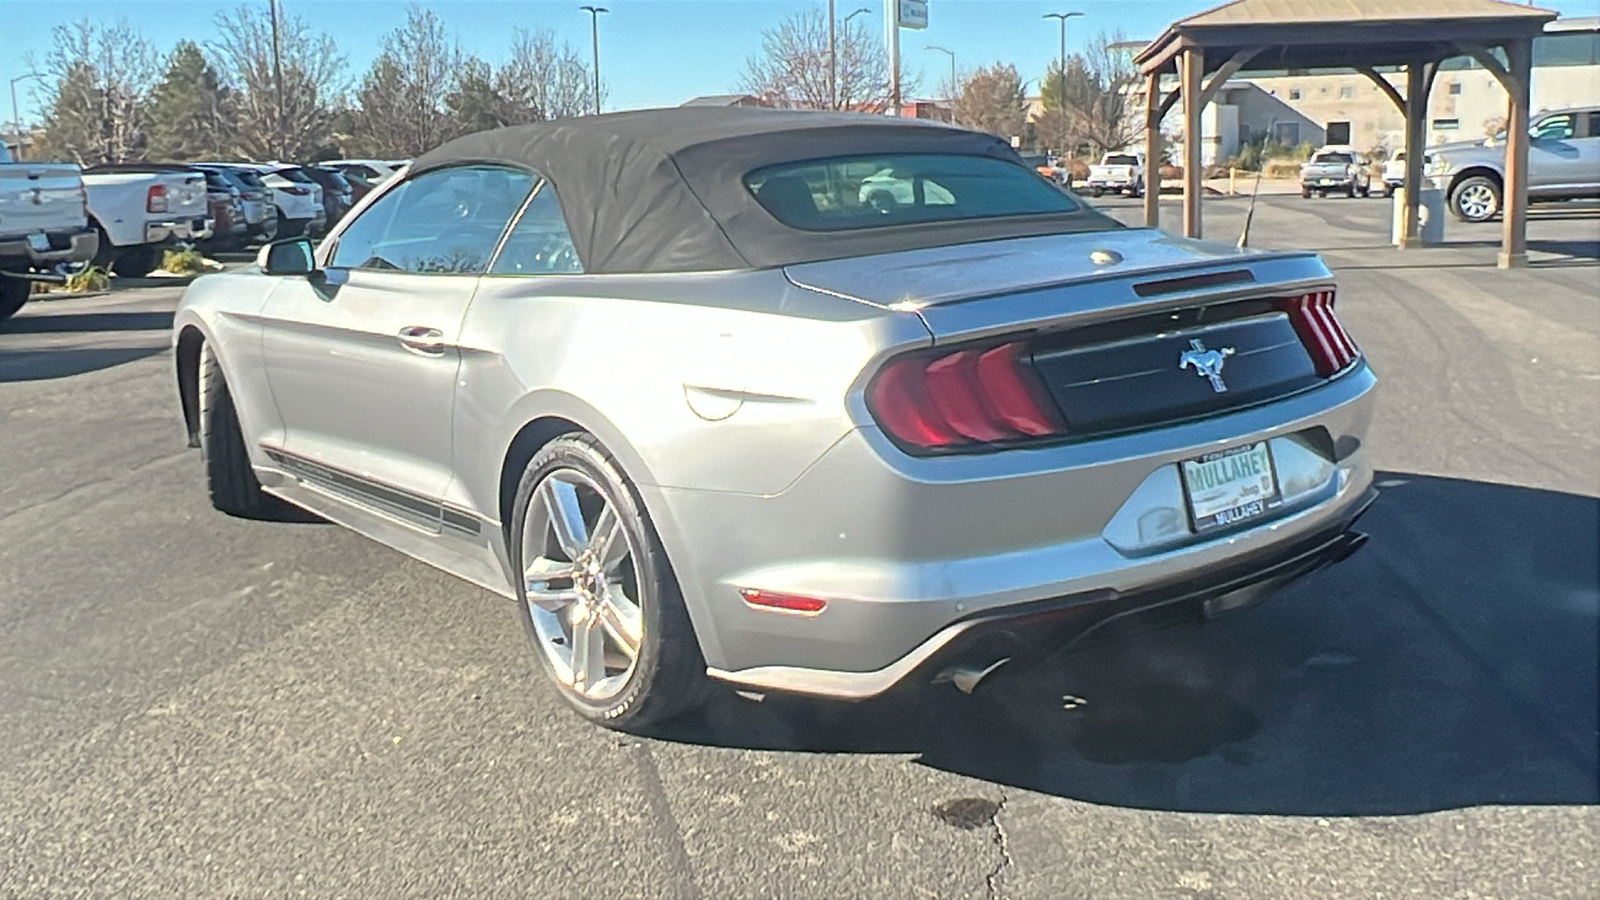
[1028,283]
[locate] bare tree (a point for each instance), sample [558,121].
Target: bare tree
[992,100]
[1102,100]
[792,68]
[401,102]
[278,121]
[101,77]
[547,81]
[1089,105]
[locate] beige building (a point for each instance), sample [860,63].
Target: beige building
[1346,108]
[1466,102]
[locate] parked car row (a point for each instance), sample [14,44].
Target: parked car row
[123,217]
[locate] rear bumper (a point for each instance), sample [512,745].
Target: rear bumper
[901,547]
[1025,632]
[174,230]
[70,247]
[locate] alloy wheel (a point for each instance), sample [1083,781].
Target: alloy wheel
[583,592]
[1477,201]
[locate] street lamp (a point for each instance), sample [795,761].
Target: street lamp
[952,55]
[1061,80]
[16,117]
[594,33]
[833,52]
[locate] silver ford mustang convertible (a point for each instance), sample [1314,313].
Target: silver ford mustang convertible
[789,401]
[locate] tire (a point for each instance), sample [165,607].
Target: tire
[625,598]
[230,481]
[1305,192]
[1388,190]
[1095,192]
[13,293]
[1350,191]
[1476,199]
[138,261]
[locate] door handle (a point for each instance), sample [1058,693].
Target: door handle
[422,339]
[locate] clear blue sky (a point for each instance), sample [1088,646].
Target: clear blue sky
[652,52]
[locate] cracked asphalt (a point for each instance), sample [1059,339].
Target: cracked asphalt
[199,706]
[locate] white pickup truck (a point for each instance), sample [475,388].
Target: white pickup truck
[1121,173]
[143,208]
[43,224]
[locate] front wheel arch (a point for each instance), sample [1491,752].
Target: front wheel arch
[190,340]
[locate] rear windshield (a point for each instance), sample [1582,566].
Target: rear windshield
[293,175]
[1333,158]
[874,191]
[251,179]
[1122,159]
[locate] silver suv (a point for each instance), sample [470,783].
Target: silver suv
[1563,164]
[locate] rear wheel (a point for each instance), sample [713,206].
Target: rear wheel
[1305,192]
[138,261]
[13,293]
[230,480]
[1476,199]
[598,594]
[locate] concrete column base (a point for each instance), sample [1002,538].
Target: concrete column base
[1513,260]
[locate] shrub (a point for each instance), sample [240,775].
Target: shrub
[183,262]
[91,278]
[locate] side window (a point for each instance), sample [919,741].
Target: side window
[1554,128]
[442,222]
[539,244]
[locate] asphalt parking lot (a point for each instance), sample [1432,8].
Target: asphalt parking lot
[199,706]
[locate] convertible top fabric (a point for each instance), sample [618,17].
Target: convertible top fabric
[663,190]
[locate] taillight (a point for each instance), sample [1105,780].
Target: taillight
[1324,338]
[297,191]
[155,199]
[964,398]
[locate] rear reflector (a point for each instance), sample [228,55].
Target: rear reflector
[1319,329]
[155,199]
[968,397]
[783,602]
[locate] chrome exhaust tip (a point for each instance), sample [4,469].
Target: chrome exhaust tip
[967,676]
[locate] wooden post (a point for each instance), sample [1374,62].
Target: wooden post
[1152,150]
[1416,117]
[1191,64]
[1514,244]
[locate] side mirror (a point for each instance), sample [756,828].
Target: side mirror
[287,257]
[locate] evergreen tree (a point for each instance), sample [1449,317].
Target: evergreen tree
[188,109]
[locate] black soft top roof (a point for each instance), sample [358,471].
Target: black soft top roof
[663,190]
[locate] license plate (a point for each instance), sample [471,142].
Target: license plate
[1230,487]
[1327,181]
[39,242]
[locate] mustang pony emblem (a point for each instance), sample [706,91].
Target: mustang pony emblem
[1207,363]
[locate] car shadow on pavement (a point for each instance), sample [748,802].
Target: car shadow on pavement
[64,362]
[91,321]
[1450,663]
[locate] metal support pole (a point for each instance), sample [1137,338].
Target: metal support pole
[1152,150]
[1416,117]
[277,85]
[594,36]
[1514,244]
[891,26]
[1191,64]
[833,59]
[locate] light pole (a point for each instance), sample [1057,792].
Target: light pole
[833,52]
[16,117]
[594,33]
[952,55]
[1061,77]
